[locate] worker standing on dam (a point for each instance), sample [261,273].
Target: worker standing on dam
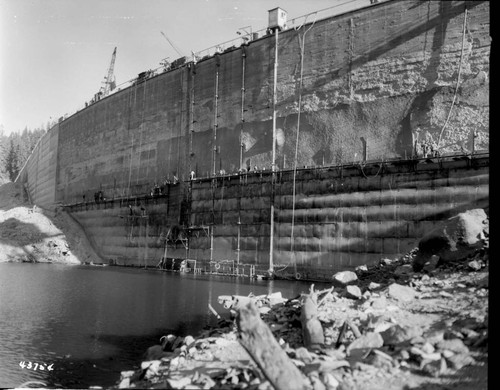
[156,190]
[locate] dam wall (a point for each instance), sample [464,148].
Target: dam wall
[38,175]
[344,216]
[136,230]
[341,99]
[384,76]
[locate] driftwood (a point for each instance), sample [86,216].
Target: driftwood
[259,342]
[312,331]
[214,312]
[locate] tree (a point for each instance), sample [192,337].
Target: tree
[12,162]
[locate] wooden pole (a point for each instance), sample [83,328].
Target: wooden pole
[258,340]
[273,162]
[312,331]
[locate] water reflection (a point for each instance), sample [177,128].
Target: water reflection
[93,322]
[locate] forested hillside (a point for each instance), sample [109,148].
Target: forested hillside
[15,149]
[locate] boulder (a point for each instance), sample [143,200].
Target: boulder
[303,354]
[367,341]
[435,368]
[329,380]
[188,340]
[379,303]
[124,384]
[460,360]
[475,265]
[434,336]
[454,239]
[454,345]
[397,334]
[401,293]
[153,369]
[353,292]
[345,277]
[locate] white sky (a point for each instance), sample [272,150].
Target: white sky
[54,54]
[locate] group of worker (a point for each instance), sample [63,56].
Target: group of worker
[183,267]
[241,171]
[426,149]
[158,190]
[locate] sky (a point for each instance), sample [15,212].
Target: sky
[54,54]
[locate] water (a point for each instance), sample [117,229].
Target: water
[90,323]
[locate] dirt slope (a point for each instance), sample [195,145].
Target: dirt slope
[31,234]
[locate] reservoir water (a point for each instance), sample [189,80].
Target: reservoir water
[89,323]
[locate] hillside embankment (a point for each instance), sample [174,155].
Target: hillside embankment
[31,234]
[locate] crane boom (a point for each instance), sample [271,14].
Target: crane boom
[171,44]
[109,81]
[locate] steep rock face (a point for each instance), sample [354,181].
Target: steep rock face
[396,80]
[455,238]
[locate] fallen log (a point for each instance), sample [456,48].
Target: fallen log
[312,331]
[214,312]
[258,340]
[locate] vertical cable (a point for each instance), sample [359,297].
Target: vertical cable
[216,97]
[183,106]
[191,115]
[458,80]
[243,64]
[302,47]
[140,131]
[132,144]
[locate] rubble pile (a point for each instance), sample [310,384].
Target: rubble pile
[389,326]
[392,332]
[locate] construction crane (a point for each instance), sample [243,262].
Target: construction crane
[171,44]
[109,81]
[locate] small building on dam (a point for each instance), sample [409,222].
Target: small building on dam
[315,145]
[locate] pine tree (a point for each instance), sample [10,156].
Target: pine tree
[11,162]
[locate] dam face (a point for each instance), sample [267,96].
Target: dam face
[376,84]
[343,217]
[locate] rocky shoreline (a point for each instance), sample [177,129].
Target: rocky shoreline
[402,324]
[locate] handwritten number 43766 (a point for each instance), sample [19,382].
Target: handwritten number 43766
[36,366]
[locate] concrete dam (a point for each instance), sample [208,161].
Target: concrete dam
[314,146]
